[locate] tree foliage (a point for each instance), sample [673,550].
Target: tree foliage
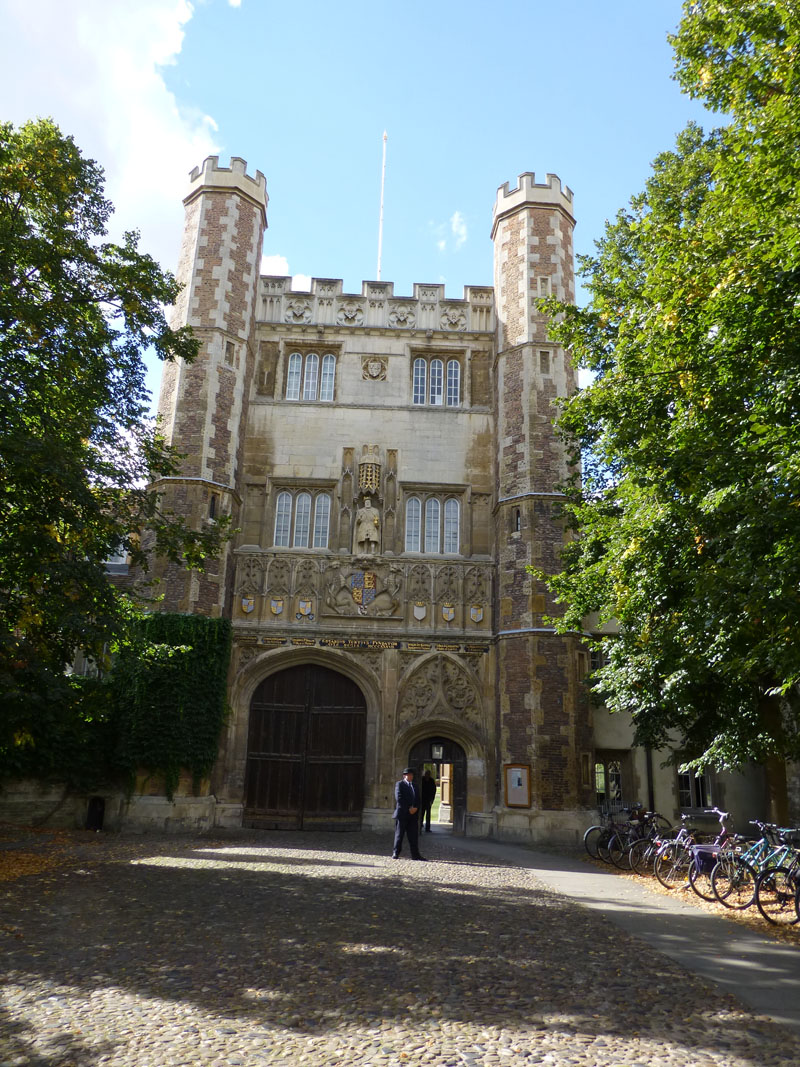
[76,451]
[687,522]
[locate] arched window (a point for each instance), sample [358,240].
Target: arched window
[328,375]
[310,377]
[453,383]
[302,519]
[437,382]
[293,376]
[432,512]
[451,526]
[420,374]
[283,519]
[413,524]
[322,513]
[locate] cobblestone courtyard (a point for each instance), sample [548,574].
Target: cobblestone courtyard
[318,949]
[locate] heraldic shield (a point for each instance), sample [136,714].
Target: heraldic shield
[363,585]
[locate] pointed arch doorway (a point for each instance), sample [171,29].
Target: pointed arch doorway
[306,751]
[448,761]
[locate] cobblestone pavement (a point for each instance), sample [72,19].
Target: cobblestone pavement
[318,949]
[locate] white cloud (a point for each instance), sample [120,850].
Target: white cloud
[458,228]
[235,3]
[441,245]
[96,67]
[278,265]
[301,282]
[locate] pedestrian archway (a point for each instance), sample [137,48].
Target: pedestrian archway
[305,751]
[448,761]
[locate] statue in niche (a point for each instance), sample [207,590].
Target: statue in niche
[368,529]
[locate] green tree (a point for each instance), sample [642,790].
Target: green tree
[76,451]
[687,522]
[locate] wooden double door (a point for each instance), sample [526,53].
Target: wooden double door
[305,751]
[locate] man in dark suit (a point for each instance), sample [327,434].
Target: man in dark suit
[406,815]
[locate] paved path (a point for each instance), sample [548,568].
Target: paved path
[318,949]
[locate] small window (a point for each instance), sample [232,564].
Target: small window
[694,790]
[544,362]
[431,384]
[303,377]
[420,376]
[310,377]
[436,382]
[413,524]
[425,530]
[328,376]
[432,510]
[517,520]
[283,519]
[293,376]
[293,519]
[229,352]
[453,383]
[322,514]
[452,511]
[302,519]
[545,287]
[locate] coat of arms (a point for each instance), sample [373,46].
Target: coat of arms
[248,603]
[420,610]
[448,612]
[276,605]
[476,612]
[364,587]
[305,609]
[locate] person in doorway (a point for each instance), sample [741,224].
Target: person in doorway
[406,815]
[427,791]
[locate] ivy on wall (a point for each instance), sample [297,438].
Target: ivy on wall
[169,694]
[159,709]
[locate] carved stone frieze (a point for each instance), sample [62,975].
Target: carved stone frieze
[475,586]
[453,319]
[306,577]
[363,587]
[402,317]
[298,312]
[251,575]
[447,583]
[440,687]
[419,582]
[279,576]
[350,314]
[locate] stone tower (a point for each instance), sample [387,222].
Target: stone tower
[543,718]
[204,405]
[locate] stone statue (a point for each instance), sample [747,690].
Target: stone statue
[368,528]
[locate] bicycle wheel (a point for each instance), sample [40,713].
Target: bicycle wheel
[734,882]
[776,889]
[700,881]
[640,856]
[617,848]
[590,839]
[671,866]
[602,845]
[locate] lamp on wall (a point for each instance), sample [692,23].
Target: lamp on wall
[437,752]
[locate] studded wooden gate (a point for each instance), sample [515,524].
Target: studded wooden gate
[305,752]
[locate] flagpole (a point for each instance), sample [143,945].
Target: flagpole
[380,222]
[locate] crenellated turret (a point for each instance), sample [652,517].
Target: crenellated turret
[203,405]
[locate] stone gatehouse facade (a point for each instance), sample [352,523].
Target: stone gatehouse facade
[390,464]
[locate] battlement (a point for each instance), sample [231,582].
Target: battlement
[234,178]
[529,191]
[376,306]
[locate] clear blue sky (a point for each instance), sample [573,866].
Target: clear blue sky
[470,95]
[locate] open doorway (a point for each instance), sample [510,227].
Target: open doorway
[447,762]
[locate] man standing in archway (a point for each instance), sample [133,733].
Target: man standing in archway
[428,791]
[406,815]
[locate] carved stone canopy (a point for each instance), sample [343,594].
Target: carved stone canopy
[369,470]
